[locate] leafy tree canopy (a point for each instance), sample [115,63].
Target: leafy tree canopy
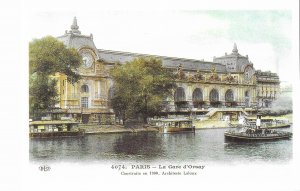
[140,87]
[48,56]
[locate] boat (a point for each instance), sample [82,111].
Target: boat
[268,122]
[54,128]
[250,132]
[175,125]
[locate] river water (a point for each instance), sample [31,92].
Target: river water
[206,145]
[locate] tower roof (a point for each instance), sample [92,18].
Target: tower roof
[74,39]
[235,50]
[74,27]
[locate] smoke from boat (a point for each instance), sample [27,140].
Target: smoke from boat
[282,105]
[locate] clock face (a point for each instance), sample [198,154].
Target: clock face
[87,59]
[248,73]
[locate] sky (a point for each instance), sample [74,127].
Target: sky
[264,35]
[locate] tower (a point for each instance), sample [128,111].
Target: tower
[235,50]
[74,27]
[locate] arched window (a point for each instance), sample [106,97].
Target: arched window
[179,94]
[197,95]
[229,96]
[214,95]
[85,88]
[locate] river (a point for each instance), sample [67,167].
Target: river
[206,145]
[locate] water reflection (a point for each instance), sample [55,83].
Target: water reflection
[147,145]
[280,150]
[205,145]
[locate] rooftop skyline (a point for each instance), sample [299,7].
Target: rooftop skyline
[262,35]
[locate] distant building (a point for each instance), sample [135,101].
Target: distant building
[228,81]
[267,89]
[267,84]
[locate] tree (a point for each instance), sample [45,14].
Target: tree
[48,56]
[43,94]
[140,87]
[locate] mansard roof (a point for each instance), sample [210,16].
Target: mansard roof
[73,38]
[111,56]
[77,41]
[266,73]
[234,54]
[240,62]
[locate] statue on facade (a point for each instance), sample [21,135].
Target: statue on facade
[214,76]
[190,77]
[180,74]
[229,78]
[198,76]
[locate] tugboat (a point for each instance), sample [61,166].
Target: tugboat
[256,133]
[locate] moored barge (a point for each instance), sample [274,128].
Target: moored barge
[54,128]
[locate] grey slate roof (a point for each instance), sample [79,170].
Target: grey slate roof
[74,39]
[77,41]
[266,74]
[241,61]
[111,56]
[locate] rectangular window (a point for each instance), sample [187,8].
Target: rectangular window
[99,87]
[84,102]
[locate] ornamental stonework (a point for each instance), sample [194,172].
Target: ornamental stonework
[198,76]
[230,79]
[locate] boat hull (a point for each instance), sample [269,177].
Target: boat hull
[279,126]
[177,130]
[56,134]
[256,137]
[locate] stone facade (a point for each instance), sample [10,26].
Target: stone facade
[267,88]
[228,81]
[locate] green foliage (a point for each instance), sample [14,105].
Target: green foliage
[48,56]
[43,94]
[140,87]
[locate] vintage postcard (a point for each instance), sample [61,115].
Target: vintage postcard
[128,97]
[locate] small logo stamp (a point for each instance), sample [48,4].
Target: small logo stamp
[44,168]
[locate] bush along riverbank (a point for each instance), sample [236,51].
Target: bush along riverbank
[100,129]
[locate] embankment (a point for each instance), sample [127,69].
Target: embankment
[99,129]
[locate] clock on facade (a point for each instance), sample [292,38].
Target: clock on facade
[87,59]
[248,73]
